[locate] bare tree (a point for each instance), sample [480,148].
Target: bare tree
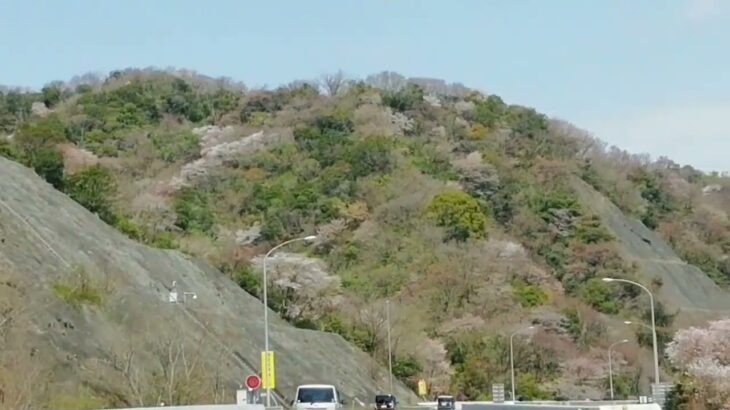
[172,371]
[387,80]
[333,83]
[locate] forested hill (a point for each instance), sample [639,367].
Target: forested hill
[471,215]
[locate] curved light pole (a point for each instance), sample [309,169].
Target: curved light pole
[628,322]
[610,368]
[653,323]
[512,358]
[266,301]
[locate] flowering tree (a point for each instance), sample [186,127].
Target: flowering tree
[704,355]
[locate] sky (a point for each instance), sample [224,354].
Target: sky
[649,76]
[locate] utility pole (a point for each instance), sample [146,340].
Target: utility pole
[390,354]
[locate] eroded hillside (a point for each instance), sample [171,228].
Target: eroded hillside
[86,317]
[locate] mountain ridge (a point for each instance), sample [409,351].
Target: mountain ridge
[469,216]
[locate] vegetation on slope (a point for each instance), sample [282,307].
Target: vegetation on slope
[409,191]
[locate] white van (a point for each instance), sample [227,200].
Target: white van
[317,397]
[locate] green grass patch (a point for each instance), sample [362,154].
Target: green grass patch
[79,291]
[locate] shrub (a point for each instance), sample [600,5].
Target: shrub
[326,146]
[528,388]
[529,295]
[48,163]
[525,122]
[193,211]
[162,240]
[546,203]
[459,213]
[173,147]
[94,188]
[369,156]
[51,95]
[599,295]
[584,333]
[590,230]
[263,103]
[7,150]
[129,228]
[337,122]
[489,111]
[36,143]
[625,384]
[248,280]
[404,99]
[406,368]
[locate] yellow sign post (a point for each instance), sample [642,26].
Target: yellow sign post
[268,370]
[422,388]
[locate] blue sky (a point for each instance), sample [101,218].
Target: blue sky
[648,76]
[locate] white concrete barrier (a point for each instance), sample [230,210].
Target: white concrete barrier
[202,407]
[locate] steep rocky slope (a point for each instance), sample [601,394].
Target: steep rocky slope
[49,245]
[684,289]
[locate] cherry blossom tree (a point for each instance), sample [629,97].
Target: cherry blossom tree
[704,355]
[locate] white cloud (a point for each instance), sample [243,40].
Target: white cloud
[697,135]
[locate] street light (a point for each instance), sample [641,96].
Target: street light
[390,355]
[628,322]
[266,304]
[512,358]
[610,369]
[653,323]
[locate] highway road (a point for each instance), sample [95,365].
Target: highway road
[526,406]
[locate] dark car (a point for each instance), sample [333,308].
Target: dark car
[385,401]
[445,403]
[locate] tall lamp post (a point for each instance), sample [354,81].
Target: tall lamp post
[610,367]
[512,358]
[628,322]
[266,301]
[390,355]
[653,323]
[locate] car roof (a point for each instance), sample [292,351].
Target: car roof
[316,386]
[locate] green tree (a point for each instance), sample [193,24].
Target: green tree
[7,149]
[599,295]
[459,213]
[489,111]
[406,367]
[404,99]
[528,388]
[51,95]
[42,133]
[179,146]
[95,188]
[529,295]
[47,162]
[370,155]
[193,212]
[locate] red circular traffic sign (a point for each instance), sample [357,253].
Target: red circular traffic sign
[253,382]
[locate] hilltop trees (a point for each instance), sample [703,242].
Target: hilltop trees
[334,83]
